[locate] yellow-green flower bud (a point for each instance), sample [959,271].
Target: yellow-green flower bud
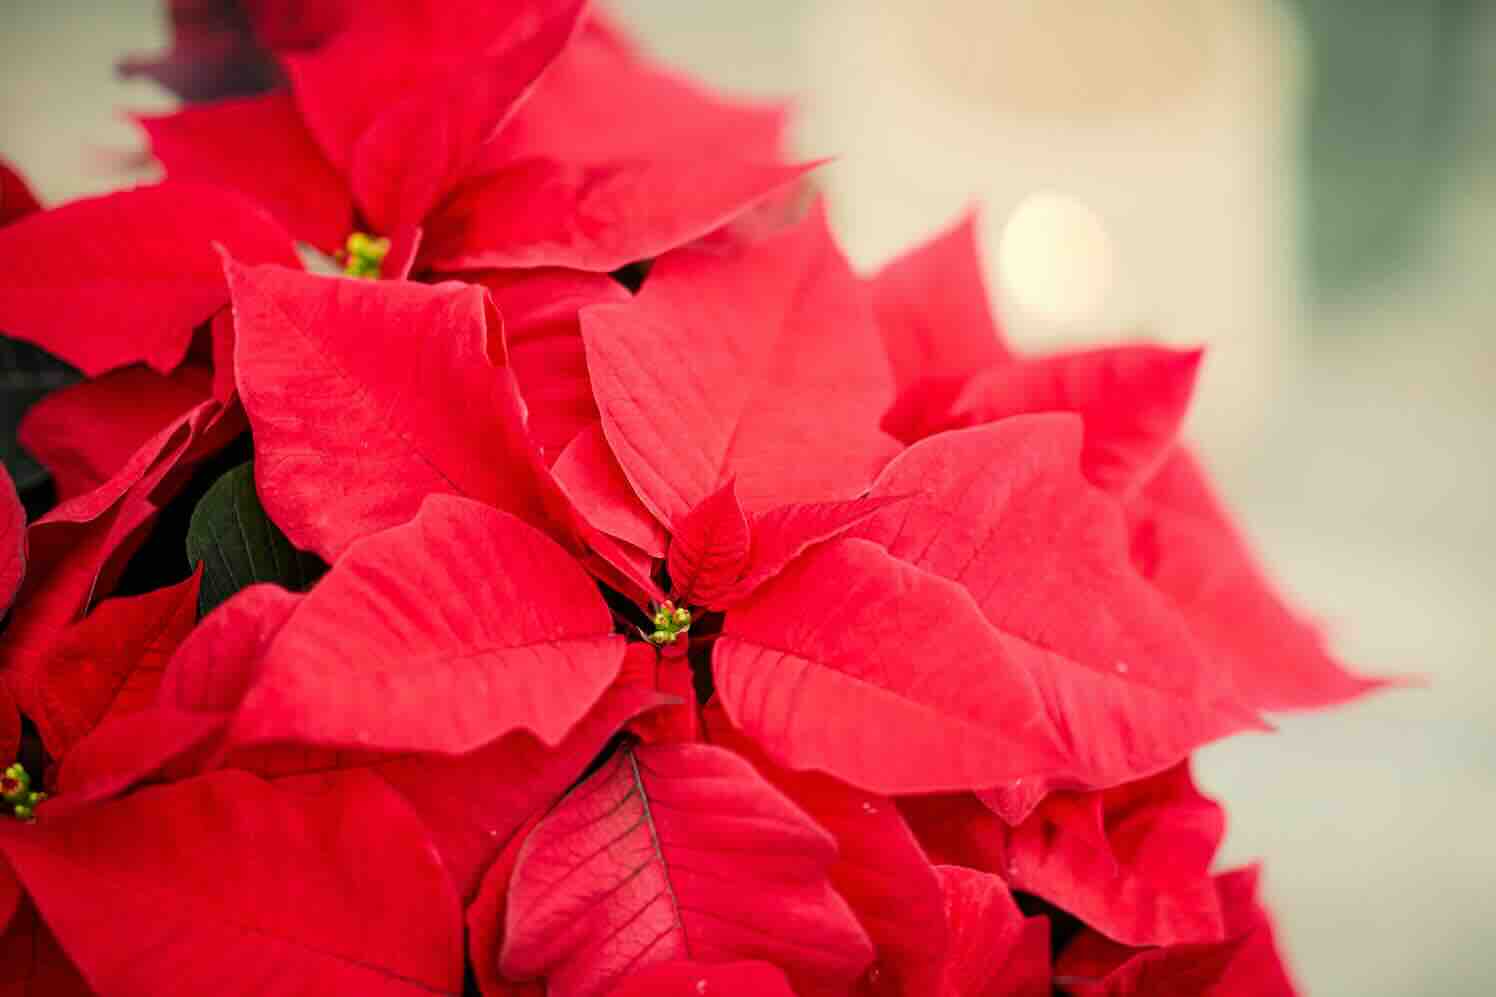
[365,255]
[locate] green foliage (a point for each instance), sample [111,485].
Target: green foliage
[239,546]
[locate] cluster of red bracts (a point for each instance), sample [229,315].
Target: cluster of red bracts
[760,630]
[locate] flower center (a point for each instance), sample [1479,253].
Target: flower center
[670,621]
[15,789]
[364,255]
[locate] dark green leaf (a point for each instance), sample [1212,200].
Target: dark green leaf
[26,374]
[239,545]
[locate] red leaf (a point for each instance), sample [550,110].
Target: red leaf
[762,366]
[1003,510]
[590,476]
[200,689]
[692,979]
[933,309]
[485,924]
[110,663]
[84,433]
[1185,543]
[924,408]
[599,217]
[258,145]
[349,437]
[423,51]
[221,338]
[12,541]
[1132,399]
[880,869]
[541,328]
[79,548]
[676,717]
[31,962]
[357,902]
[440,635]
[419,148]
[676,852]
[995,951]
[1245,964]
[16,199]
[474,804]
[851,662]
[783,534]
[602,101]
[709,549]
[125,278]
[1132,862]
[10,734]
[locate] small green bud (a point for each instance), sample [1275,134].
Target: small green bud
[364,255]
[670,621]
[23,812]
[15,784]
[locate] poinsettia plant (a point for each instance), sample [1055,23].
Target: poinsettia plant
[491,541]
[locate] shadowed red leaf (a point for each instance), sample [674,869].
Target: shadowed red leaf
[201,687]
[1133,862]
[673,852]
[86,432]
[12,541]
[485,918]
[16,199]
[110,662]
[880,869]
[79,548]
[31,962]
[1245,964]
[994,950]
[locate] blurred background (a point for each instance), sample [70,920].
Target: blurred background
[1309,188]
